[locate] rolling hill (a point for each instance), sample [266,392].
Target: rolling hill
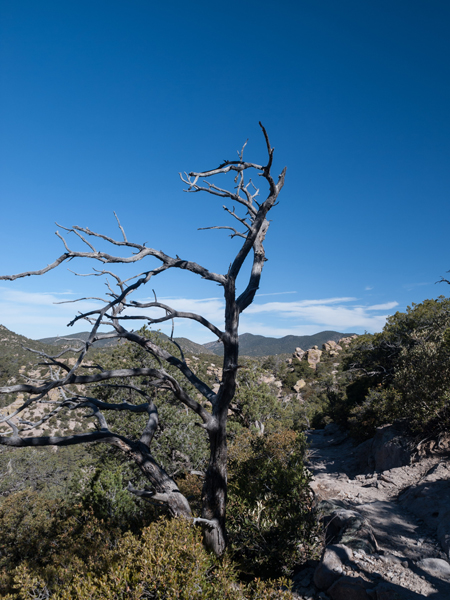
[185,344]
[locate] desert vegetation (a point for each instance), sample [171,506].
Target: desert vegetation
[59,509]
[163,442]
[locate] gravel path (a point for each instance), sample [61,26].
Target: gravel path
[408,547]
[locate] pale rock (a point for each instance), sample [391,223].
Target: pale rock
[347,340]
[331,347]
[436,567]
[299,353]
[313,356]
[299,385]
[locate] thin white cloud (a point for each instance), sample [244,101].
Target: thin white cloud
[295,307]
[386,306]
[334,313]
[35,315]
[368,288]
[275,294]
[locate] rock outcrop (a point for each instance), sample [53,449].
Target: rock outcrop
[313,356]
[346,341]
[299,354]
[299,385]
[333,348]
[388,449]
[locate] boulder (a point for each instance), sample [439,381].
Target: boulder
[388,449]
[332,347]
[348,527]
[299,385]
[330,568]
[437,567]
[313,356]
[349,588]
[299,353]
[345,341]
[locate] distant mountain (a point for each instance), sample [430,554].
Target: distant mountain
[189,346]
[185,344]
[259,345]
[250,345]
[83,335]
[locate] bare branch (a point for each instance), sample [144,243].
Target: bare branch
[121,228]
[97,414]
[233,214]
[104,257]
[53,265]
[148,494]
[234,234]
[170,314]
[71,440]
[241,153]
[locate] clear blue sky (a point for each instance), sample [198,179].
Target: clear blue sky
[103,102]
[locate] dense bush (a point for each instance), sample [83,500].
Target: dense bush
[49,551]
[256,405]
[102,490]
[402,372]
[271,521]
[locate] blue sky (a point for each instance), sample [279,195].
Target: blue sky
[102,103]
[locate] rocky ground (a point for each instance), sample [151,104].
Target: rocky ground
[387,519]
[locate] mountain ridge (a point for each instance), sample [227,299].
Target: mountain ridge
[249,344]
[260,345]
[185,344]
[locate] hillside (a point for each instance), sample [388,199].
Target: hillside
[185,344]
[259,345]
[82,335]
[13,354]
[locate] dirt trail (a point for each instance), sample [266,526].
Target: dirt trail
[404,540]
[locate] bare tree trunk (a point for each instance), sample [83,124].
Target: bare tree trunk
[214,496]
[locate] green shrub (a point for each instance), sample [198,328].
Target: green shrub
[104,492]
[402,372]
[271,521]
[299,370]
[78,557]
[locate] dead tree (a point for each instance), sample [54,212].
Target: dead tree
[114,312]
